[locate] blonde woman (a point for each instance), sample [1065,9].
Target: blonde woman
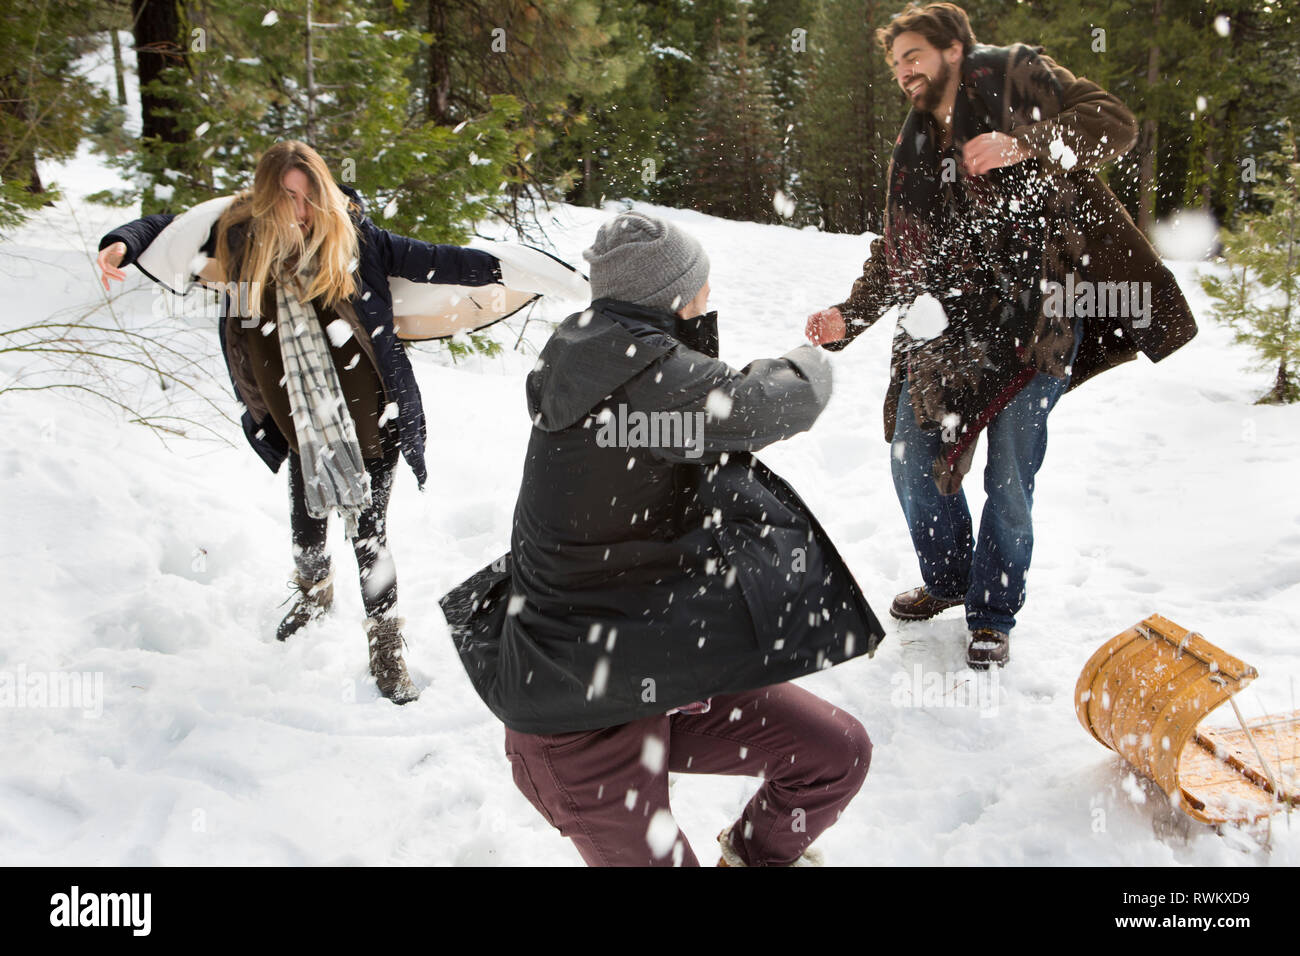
[323,379]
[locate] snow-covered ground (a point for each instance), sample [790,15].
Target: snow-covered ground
[161,568]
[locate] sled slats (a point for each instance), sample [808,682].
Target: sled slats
[1278,740]
[1222,778]
[1144,692]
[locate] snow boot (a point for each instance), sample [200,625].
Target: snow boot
[386,664]
[919,604]
[810,856]
[309,604]
[988,647]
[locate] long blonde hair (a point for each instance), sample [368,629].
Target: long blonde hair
[273,242]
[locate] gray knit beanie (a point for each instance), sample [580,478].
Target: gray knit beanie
[646,261]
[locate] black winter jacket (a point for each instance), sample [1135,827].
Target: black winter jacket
[643,578]
[382,254]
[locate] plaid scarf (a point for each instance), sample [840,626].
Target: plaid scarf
[334,474]
[985,247]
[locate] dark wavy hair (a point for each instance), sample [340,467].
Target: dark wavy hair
[939,23]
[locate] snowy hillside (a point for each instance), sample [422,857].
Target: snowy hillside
[162,567]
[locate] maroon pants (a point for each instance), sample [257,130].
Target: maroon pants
[607,789]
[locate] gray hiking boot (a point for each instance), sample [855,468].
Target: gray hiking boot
[309,604]
[386,663]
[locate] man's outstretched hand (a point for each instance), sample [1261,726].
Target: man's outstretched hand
[825,326]
[990,151]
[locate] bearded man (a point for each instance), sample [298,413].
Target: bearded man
[998,238]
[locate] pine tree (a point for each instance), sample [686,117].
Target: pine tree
[557,60]
[45,102]
[734,158]
[160,49]
[608,141]
[1224,70]
[324,72]
[850,117]
[1260,299]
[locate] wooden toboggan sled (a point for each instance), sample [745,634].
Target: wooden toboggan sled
[1144,692]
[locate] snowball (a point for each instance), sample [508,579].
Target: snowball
[599,678]
[718,405]
[652,753]
[382,575]
[1134,789]
[1190,234]
[783,204]
[925,318]
[339,332]
[1062,154]
[662,832]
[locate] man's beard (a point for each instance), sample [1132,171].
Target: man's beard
[935,85]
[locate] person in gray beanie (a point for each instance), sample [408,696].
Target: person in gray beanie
[663,587]
[646,262]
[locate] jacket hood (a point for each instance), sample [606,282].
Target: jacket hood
[592,353]
[354,197]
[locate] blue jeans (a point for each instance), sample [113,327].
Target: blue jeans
[990,574]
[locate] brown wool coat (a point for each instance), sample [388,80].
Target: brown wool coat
[255,352]
[1098,128]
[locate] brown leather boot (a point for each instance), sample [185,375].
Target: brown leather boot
[309,604]
[386,664]
[988,647]
[919,604]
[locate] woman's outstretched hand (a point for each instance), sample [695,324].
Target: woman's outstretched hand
[110,257]
[825,326]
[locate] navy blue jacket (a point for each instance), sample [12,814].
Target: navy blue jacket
[381,254]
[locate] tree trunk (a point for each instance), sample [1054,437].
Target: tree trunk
[157,29]
[1147,169]
[118,71]
[310,134]
[18,160]
[1211,166]
[1282,387]
[1283,381]
[437,98]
